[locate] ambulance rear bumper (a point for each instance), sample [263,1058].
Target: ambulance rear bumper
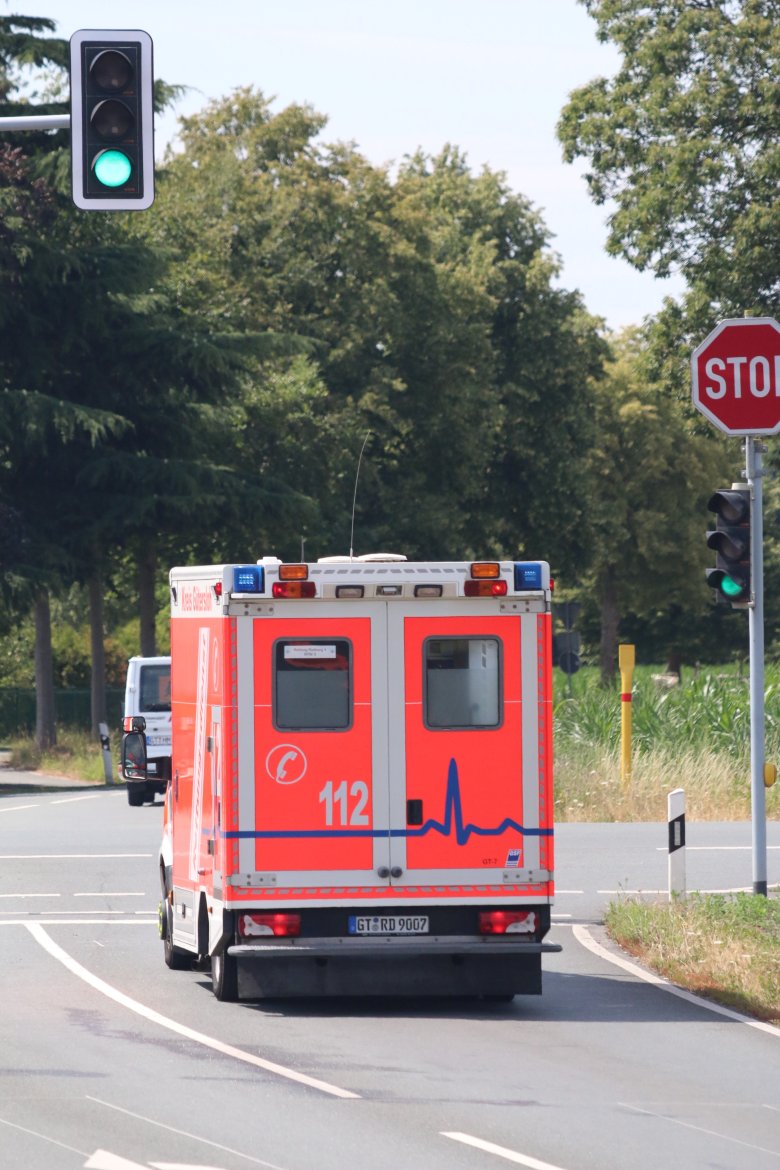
[390,967]
[382,947]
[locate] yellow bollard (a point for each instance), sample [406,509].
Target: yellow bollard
[626,660]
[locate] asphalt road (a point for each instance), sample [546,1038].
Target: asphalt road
[110,1060]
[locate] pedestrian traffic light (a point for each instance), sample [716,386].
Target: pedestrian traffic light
[731,541]
[111,119]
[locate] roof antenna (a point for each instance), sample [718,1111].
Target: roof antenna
[354,498]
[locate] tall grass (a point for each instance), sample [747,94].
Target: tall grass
[724,947]
[694,736]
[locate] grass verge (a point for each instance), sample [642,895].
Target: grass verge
[726,948]
[75,755]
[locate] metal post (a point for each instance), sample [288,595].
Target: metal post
[626,661]
[754,474]
[36,122]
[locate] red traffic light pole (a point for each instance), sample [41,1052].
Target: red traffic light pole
[736,385]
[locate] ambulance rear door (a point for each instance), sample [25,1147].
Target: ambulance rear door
[312,686]
[469,763]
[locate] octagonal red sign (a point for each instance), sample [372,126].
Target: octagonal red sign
[736,376]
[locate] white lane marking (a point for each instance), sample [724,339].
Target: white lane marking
[713,848]
[557,891]
[42,1136]
[182,1166]
[113,894]
[71,799]
[30,895]
[68,856]
[91,921]
[501,1151]
[722,1137]
[664,893]
[105,1160]
[56,951]
[18,807]
[185,1133]
[583,935]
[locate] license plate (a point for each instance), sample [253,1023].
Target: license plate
[158,740]
[389,924]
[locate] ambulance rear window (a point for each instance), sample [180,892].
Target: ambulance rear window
[312,684]
[462,682]
[155,689]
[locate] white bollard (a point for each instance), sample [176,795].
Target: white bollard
[675,803]
[108,767]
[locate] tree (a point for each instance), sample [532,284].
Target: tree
[433,324]
[684,140]
[648,552]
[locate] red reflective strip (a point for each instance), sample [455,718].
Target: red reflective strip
[626,697]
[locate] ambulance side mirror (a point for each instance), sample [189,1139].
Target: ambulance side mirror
[134,755]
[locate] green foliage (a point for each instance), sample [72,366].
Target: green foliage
[684,140]
[709,710]
[726,948]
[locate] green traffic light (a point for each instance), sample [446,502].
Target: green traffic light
[730,587]
[112,168]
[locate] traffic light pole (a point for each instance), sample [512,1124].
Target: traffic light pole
[36,122]
[754,473]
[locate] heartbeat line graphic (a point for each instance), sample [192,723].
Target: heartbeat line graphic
[453,811]
[453,815]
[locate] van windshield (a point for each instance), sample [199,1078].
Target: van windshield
[155,688]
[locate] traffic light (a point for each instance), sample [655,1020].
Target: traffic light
[731,541]
[567,645]
[112,119]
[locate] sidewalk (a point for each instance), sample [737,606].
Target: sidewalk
[12,782]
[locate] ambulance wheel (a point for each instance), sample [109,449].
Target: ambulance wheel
[224,977]
[136,794]
[174,958]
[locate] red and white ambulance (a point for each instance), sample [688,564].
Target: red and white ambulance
[361,795]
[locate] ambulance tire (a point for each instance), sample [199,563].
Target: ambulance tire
[174,958]
[224,977]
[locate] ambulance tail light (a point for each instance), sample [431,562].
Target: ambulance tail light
[264,925]
[507,922]
[350,590]
[294,589]
[428,590]
[484,588]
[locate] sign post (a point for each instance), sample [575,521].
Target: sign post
[736,385]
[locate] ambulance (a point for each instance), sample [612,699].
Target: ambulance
[361,790]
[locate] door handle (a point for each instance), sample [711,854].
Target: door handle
[396,871]
[414,812]
[383,872]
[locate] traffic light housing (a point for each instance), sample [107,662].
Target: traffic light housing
[731,540]
[112,119]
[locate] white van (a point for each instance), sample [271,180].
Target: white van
[148,695]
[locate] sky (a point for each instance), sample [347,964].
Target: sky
[392,76]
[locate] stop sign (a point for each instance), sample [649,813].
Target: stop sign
[736,376]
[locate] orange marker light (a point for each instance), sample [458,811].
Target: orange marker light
[293,572]
[482,569]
